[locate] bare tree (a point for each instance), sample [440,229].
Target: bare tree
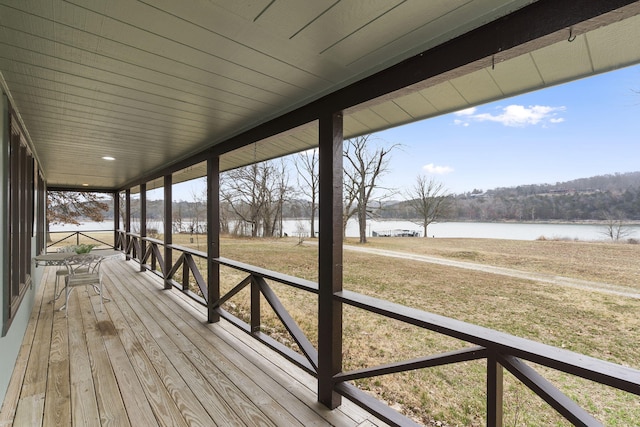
[239,188]
[429,199]
[349,205]
[225,217]
[68,207]
[307,166]
[616,229]
[256,195]
[177,222]
[198,219]
[364,165]
[276,188]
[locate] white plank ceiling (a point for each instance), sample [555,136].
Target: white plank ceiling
[151,82]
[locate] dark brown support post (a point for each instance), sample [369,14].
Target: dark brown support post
[116,218]
[330,257]
[494,391]
[213,236]
[168,228]
[143,223]
[127,222]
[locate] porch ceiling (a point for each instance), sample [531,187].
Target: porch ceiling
[153,82]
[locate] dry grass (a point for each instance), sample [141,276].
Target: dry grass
[596,261]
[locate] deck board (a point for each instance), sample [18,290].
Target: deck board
[110,405]
[199,372]
[241,390]
[57,410]
[30,409]
[163,360]
[149,358]
[159,397]
[10,404]
[84,405]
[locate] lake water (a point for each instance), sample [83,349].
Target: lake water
[488,230]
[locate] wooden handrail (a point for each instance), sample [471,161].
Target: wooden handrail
[611,374]
[296,282]
[78,234]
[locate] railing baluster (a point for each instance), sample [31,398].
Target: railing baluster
[494,391]
[153,256]
[185,274]
[255,305]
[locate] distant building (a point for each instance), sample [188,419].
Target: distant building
[396,233]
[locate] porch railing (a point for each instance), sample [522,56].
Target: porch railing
[500,350]
[74,237]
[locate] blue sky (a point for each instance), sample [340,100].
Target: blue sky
[580,129]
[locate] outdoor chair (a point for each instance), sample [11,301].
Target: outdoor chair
[61,272]
[83,270]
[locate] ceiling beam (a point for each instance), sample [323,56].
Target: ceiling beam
[80,189]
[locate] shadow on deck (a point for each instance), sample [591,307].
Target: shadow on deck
[149,358]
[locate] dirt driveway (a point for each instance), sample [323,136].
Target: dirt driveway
[606,288]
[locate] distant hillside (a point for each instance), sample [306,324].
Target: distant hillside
[616,183]
[601,197]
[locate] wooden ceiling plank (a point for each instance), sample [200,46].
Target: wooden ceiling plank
[56,90]
[117,79]
[610,49]
[236,57]
[562,61]
[416,105]
[477,87]
[104,109]
[106,118]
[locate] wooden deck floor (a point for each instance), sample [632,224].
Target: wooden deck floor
[149,358]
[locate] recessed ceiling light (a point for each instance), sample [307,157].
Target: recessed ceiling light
[85,185]
[108,158]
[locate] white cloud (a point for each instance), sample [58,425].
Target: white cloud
[437,170]
[466,112]
[514,116]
